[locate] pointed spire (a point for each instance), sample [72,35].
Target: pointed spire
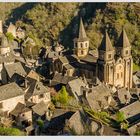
[82,34]
[123,40]
[106,43]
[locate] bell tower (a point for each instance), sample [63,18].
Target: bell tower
[123,49]
[81,43]
[106,60]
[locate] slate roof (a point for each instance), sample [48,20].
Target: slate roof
[7,59]
[20,108]
[10,91]
[36,88]
[131,110]
[59,78]
[89,58]
[40,108]
[68,66]
[68,59]
[34,75]
[123,40]
[124,95]
[98,96]
[132,129]
[106,44]
[15,68]
[76,85]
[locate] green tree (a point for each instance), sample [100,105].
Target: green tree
[120,117]
[62,96]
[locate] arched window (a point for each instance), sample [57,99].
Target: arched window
[81,45]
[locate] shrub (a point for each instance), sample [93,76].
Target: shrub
[10,131]
[120,117]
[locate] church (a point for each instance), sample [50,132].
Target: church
[113,65]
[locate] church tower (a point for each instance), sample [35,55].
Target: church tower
[123,50]
[81,43]
[106,60]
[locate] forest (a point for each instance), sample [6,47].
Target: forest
[48,23]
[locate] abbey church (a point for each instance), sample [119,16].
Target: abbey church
[113,65]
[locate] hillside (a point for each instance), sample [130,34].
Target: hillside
[49,22]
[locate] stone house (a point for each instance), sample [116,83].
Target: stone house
[132,111]
[97,97]
[42,111]
[124,96]
[60,80]
[13,73]
[10,95]
[74,88]
[134,128]
[80,124]
[37,92]
[22,115]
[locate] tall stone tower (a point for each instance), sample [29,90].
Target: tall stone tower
[81,43]
[123,50]
[105,61]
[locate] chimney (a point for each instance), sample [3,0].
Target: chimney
[25,83]
[1,28]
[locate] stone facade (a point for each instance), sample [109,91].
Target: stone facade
[38,98]
[9,104]
[113,65]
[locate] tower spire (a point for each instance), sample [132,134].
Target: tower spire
[106,43]
[123,40]
[82,33]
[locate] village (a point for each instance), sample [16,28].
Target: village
[60,92]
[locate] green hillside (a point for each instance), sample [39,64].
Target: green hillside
[49,22]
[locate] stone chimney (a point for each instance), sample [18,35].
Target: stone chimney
[1,28]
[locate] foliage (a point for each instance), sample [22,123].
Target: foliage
[62,96]
[120,117]
[10,131]
[137,133]
[10,36]
[49,22]
[40,123]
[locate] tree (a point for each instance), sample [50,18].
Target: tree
[62,96]
[120,117]
[10,36]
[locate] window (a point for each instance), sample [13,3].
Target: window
[75,44]
[82,52]
[1,105]
[126,52]
[86,45]
[128,63]
[81,45]
[117,75]
[41,96]
[109,56]
[121,74]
